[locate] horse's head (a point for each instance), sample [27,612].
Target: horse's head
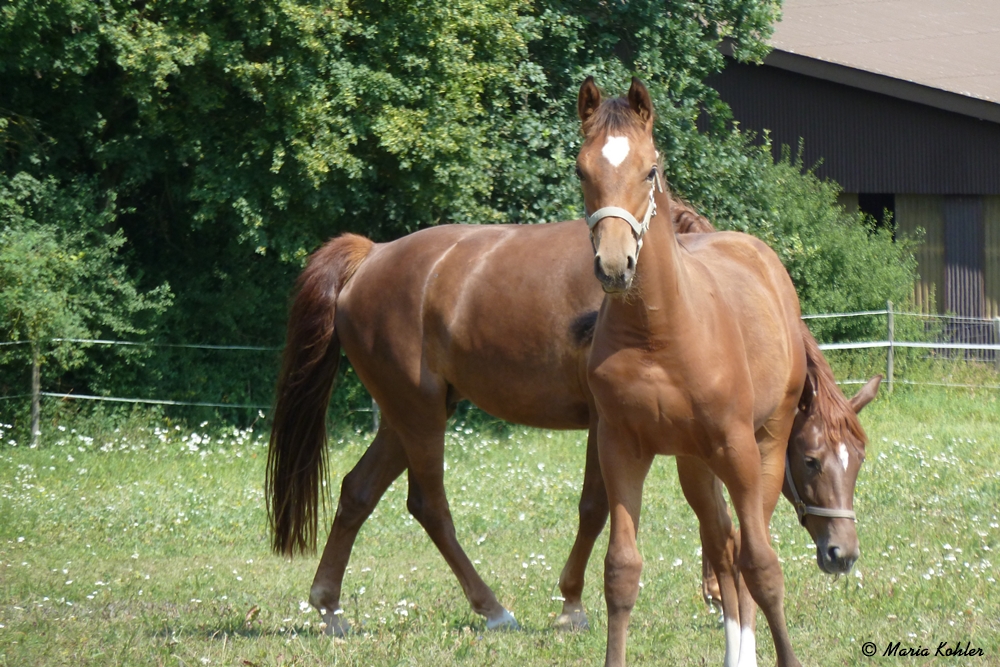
[825,454]
[618,167]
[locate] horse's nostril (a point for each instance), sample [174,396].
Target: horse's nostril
[631,263]
[833,553]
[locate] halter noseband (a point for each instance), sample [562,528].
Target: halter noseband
[802,509]
[638,228]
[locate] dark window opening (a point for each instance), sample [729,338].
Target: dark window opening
[877,205]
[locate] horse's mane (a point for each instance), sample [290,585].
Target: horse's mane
[686,220]
[834,410]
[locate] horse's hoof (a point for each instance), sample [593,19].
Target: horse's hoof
[572,621]
[504,621]
[335,625]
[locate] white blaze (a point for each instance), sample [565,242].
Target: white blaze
[615,150]
[842,453]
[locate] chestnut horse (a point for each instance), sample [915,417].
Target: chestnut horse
[428,320]
[697,353]
[520,355]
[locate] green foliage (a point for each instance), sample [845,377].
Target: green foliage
[61,275]
[232,139]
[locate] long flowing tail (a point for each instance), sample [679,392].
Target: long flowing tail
[296,458]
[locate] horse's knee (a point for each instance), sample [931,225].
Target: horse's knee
[622,568]
[761,570]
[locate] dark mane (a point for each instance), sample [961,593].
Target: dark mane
[835,411]
[614,115]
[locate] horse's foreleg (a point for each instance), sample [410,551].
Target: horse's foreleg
[428,504]
[703,491]
[593,516]
[749,474]
[361,490]
[624,474]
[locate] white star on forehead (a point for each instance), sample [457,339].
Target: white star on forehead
[842,454]
[615,150]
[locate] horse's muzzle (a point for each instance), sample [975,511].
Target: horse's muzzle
[836,559]
[614,279]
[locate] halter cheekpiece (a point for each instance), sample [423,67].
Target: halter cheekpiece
[638,228]
[802,509]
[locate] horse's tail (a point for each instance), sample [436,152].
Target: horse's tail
[296,458]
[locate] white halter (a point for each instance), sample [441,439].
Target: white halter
[638,228]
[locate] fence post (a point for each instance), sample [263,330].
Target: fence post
[376,415]
[36,394]
[996,353]
[889,362]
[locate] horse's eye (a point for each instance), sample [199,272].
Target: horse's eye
[579,174]
[651,175]
[813,464]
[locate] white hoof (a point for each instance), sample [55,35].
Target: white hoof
[504,621]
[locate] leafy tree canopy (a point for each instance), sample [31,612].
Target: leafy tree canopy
[233,138]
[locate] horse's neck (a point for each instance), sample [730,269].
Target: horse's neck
[658,300]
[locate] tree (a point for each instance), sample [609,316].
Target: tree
[234,138]
[61,276]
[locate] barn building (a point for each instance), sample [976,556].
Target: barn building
[900,100]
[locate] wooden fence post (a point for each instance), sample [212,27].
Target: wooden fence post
[36,395]
[889,362]
[376,415]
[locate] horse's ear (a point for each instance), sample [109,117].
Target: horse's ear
[808,393]
[641,103]
[588,100]
[867,394]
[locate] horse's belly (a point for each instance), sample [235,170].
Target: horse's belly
[536,394]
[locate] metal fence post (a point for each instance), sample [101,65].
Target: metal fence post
[996,353]
[889,362]
[36,394]
[376,415]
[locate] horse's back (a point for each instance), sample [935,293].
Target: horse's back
[486,312]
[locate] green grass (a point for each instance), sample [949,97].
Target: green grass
[148,546]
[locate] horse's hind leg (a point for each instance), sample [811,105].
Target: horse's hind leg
[428,504]
[593,516]
[361,490]
[703,491]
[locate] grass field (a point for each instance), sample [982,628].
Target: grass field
[147,545]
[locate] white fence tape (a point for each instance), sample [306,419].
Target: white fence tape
[861,345]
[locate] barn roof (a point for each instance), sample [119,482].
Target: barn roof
[943,53]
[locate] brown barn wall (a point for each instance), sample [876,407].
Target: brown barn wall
[868,142]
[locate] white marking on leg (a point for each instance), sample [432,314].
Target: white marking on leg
[615,150]
[748,648]
[732,627]
[844,458]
